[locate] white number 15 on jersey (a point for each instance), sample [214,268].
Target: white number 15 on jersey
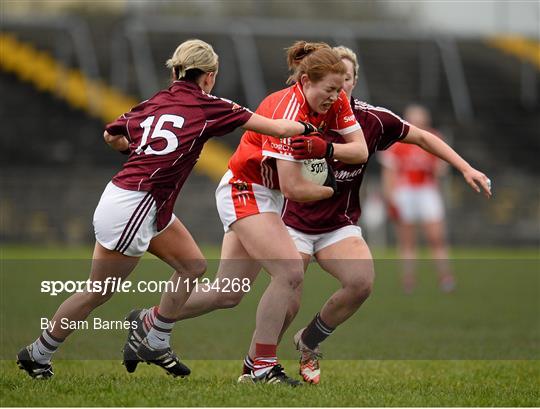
[170,137]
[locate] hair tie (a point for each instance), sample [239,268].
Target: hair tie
[181,71]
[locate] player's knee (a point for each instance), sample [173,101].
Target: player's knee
[295,278]
[289,277]
[360,288]
[195,269]
[229,299]
[95,299]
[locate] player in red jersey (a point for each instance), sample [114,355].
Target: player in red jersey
[411,188]
[250,203]
[163,136]
[250,198]
[328,231]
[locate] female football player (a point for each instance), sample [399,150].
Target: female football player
[411,189]
[250,198]
[328,231]
[163,137]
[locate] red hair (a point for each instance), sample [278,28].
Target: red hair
[313,59]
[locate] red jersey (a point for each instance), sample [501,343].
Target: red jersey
[166,135]
[414,166]
[381,129]
[255,158]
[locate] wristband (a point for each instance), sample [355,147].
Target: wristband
[329,151]
[308,128]
[125,151]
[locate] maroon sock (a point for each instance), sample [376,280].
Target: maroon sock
[316,332]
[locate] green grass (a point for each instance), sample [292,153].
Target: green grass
[367,383]
[477,347]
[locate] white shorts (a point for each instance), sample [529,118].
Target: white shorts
[418,204]
[236,199]
[125,220]
[313,243]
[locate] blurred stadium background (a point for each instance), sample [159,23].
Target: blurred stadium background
[68,67]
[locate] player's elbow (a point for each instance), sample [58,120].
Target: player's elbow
[108,138]
[297,192]
[292,191]
[424,138]
[288,191]
[363,155]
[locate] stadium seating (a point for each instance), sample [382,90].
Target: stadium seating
[49,141]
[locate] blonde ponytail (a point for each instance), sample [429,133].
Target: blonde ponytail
[193,54]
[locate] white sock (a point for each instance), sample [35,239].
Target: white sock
[159,335]
[44,347]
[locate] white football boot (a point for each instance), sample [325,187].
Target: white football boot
[309,360]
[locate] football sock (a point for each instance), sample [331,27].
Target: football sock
[159,335]
[248,365]
[316,332]
[265,358]
[44,347]
[149,318]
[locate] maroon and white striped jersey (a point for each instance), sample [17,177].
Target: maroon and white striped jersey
[381,129]
[167,133]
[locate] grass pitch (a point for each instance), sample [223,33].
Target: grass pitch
[345,383]
[477,347]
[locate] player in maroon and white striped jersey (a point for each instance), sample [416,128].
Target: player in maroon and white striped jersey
[250,200]
[328,229]
[163,136]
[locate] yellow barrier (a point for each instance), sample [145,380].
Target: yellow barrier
[94,97]
[518,46]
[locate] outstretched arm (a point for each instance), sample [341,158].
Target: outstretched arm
[432,144]
[281,128]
